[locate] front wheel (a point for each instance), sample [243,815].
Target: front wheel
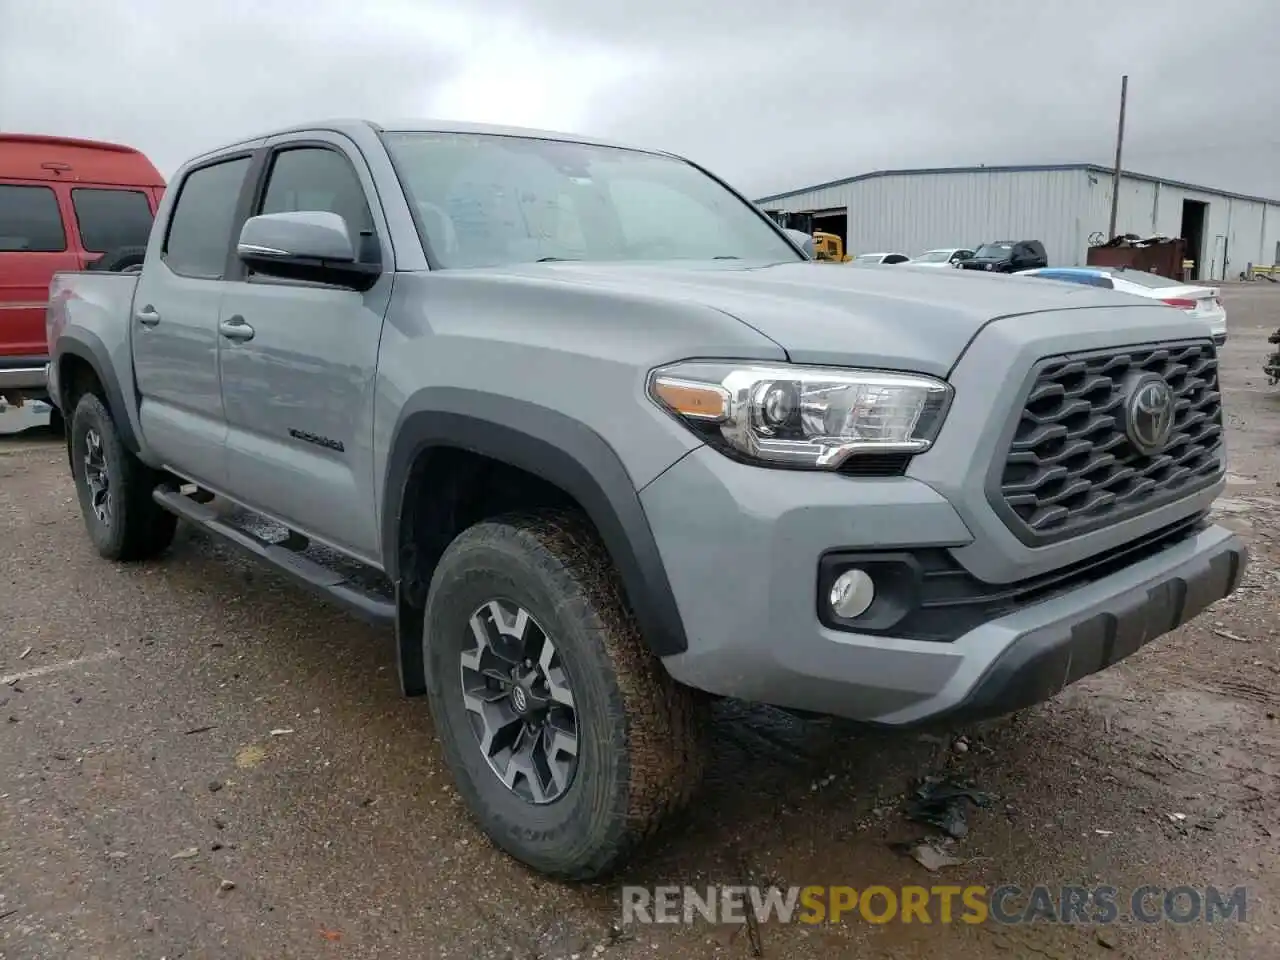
[569,741]
[114,488]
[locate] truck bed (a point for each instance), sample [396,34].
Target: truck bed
[97,302]
[91,293]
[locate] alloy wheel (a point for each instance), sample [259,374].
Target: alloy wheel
[97,476]
[519,702]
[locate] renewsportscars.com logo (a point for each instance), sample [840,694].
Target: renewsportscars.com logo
[1009,903]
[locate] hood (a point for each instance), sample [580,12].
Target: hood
[881,316]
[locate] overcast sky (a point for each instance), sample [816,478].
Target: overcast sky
[772,94]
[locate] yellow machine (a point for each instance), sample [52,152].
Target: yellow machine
[829,247]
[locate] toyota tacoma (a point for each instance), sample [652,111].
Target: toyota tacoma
[600,443]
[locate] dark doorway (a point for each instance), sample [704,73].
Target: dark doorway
[792,221]
[833,221]
[1194,214]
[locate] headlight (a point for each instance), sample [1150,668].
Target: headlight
[816,417]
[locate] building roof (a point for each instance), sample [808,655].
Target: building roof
[1025,168]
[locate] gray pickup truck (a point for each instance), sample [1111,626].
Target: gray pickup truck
[602,444]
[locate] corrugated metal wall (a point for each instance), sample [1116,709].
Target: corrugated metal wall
[910,213]
[916,212]
[1147,208]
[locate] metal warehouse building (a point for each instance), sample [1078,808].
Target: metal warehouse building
[1065,206]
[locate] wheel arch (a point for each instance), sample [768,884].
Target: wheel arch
[80,349]
[554,448]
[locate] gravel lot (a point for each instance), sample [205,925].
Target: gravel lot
[196,720]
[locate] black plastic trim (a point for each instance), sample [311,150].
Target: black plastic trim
[26,362]
[411,664]
[319,579]
[246,202]
[1040,664]
[88,347]
[898,579]
[924,594]
[558,449]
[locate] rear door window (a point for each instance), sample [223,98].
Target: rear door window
[30,221]
[110,219]
[199,238]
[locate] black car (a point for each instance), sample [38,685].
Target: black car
[1007,256]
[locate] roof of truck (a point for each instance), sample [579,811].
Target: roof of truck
[349,126]
[35,156]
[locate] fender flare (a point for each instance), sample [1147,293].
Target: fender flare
[559,450]
[87,346]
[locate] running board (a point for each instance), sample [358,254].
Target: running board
[368,606]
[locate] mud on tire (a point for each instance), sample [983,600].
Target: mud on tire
[641,737]
[132,526]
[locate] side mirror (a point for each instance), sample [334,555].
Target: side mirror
[312,245]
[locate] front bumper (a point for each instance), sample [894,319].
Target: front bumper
[1092,629]
[743,562]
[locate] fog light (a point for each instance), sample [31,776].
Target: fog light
[851,594]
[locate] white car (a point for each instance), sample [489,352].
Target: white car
[881,258]
[944,257]
[1204,303]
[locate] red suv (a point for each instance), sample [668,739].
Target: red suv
[64,205]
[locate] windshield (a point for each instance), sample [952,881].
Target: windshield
[934,256]
[995,250]
[1144,279]
[489,200]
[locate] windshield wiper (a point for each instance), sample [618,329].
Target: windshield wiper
[555,259]
[727,257]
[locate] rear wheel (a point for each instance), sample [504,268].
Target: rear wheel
[114,488]
[568,740]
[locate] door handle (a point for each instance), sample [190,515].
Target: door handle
[148,316]
[236,329]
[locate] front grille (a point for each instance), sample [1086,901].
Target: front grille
[1071,466]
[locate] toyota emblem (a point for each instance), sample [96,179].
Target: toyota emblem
[1149,411]
[519,700]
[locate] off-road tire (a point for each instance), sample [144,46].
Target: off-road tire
[642,736]
[138,528]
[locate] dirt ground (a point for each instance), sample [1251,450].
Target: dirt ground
[196,720]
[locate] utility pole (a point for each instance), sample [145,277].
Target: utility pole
[1115,185]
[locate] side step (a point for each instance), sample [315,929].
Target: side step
[368,606]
